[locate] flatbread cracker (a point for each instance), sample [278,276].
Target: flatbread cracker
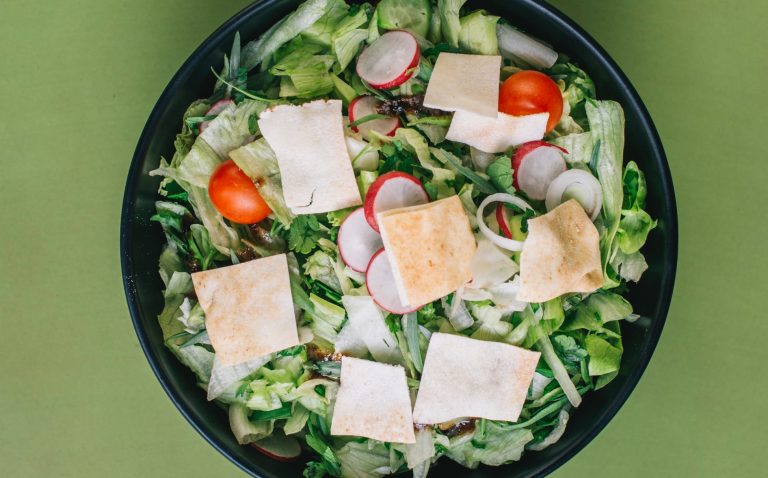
[465,377]
[373,402]
[496,135]
[561,254]
[430,247]
[248,309]
[315,167]
[465,83]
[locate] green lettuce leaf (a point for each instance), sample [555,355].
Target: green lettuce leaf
[633,230]
[309,12]
[606,121]
[603,357]
[498,446]
[450,23]
[243,428]
[368,459]
[478,33]
[630,267]
[411,15]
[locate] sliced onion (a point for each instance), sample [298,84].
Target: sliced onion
[576,184]
[501,241]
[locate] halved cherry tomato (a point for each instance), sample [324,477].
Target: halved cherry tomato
[528,92]
[235,196]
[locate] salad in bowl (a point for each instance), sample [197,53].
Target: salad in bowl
[399,234]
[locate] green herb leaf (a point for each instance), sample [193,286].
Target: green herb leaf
[304,233]
[501,174]
[277,414]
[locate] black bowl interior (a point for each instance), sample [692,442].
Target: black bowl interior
[141,240]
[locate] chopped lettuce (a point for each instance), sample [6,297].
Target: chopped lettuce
[411,15]
[497,446]
[450,23]
[309,12]
[478,33]
[603,357]
[606,120]
[244,429]
[326,320]
[367,459]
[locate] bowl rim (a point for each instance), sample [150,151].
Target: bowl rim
[542,8]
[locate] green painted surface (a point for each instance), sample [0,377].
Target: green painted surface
[78,80]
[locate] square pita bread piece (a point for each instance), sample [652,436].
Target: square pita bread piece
[465,377]
[465,83]
[496,135]
[248,308]
[430,247]
[315,168]
[561,254]
[373,402]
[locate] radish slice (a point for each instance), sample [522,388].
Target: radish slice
[279,447]
[579,185]
[501,241]
[391,191]
[363,106]
[390,61]
[215,109]
[536,165]
[380,282]
[357,241]
[502,218]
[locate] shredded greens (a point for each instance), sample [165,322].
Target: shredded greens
[289,395]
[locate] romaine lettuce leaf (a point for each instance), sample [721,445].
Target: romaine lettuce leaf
[450,24]
[309,12]
[499,446]
[606,121]
[603,357]
[411,15]
[369,459]
[245,430]
[478,33]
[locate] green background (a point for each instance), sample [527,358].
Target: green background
[79,78]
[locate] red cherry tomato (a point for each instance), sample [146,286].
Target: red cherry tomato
[235,196]
[528,92]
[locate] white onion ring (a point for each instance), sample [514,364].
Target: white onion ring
[569,178]
[501,241]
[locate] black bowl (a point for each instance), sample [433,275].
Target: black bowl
[141,240]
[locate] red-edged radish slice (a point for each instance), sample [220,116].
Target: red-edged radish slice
[579,185]
[390,61]
[380,282]
[501,241]
[363,106]
[502,218]
[391,191]
[215,109]
[357,241]
[279,447]
[536,165]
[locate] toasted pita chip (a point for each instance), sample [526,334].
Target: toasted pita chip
[560,255]
[430,246]
[248,309]
[496,135]
[315,168]
[373,402]
[465,377]
[465,83]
